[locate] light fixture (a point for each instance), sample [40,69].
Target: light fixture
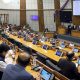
[6,1]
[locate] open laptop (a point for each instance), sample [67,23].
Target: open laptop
[46,75]
[75,50]
[58,53]
[77,63]
[45,47]
[62,45]
[34,42]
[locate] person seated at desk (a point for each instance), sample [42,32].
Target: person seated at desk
[3,51]
[68,68]
[69,29]
[55,35]
[36,38]
[46,30]
[19,33]
[17,71]
[71,45]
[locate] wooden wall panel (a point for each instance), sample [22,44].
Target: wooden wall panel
[57,15]
[41,15]
[22,12]
[76,20]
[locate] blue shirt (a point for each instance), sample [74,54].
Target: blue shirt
[16,72]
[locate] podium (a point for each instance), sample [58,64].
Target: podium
[61,30]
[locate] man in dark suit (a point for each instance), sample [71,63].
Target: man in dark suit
[18,72]
[68,67]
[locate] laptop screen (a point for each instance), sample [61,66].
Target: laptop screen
[45,75]
[62,45]
[58,53]
[45,47]
[34,42]
[75,50]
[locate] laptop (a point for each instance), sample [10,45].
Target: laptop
[45,47]
[34,42]
[78,61]
[46,75]
[58,53]
[62,45]
[75,50]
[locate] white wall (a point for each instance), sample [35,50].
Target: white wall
[31,7]
[33,24]
[14,16]
[31,4]
[14,4]
[48,4]
[69,5]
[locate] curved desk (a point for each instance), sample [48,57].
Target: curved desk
[48,53]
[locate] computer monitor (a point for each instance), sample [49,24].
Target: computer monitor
[34,42]
[53,42]
[19,33]
[45,74]
[58,53]
[75,50]
[34,17]
[45,47]
[62,45]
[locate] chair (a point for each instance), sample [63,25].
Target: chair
[41,58]
[52,66]
[1,73]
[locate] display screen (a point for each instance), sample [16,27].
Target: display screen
[62,45]
[34,42]
[45,47]
[34,17]
[75,50]
[45,75]
[76,7]
[78,61]
[58,52]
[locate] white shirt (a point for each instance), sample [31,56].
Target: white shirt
[2,65]
[8,60]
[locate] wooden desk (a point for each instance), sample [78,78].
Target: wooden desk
[32,72]
[75,33]
[1,41]
[48,53]
[36,75]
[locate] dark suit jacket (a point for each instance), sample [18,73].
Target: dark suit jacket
[68,68]
[1,73]
[16,72]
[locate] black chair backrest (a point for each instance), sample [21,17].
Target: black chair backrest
[52,66]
